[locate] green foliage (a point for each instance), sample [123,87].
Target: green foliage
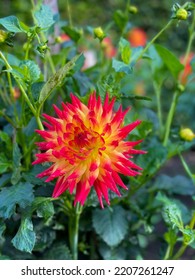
[44,57]
[111,224]
[24,239]
[44,17]
[21,194]
[12,24]
[170,60]
[58,78]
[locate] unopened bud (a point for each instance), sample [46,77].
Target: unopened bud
[132,9]
[187,134]
[181,14]
[99,33]
[3,36]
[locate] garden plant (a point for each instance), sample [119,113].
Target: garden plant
[97,135]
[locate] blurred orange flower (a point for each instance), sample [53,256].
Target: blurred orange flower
[137,37]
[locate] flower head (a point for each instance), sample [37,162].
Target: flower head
[86,148]
[137,37]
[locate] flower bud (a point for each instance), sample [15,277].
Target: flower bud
[132,9]
[181,14]
[99,33]
[3,36]
[187,134]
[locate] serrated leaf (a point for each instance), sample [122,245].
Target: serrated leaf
[12,24]
[16,164]
[44,17]
[109,253]
[29,70]
[59,251]
[45,209]
[188,235]
[111,224]
[171,212]
[170,60]
[24,240]
[125,50]
[57,79]
[44,238]
[21,194]
[172,216]
[120,66]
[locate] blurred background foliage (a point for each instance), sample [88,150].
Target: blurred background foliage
[93,13]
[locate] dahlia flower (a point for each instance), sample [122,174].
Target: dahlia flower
[86,148]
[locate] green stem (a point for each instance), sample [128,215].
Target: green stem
[43,38]
[155,37]
[33,110]
[184,246]
[170,116]
[157,88]
[74,230]
[169,252]
[186,167]
[69,13]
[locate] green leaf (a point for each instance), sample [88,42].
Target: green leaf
[73,33]
[172,216]
[59,251]
[108,84]
[31,71]
[120,19]
[112,253]
[44,17]
[45,209]
[111,224]
[120,66]
[178,184]
[156,157]
[170,237]
[4,137]
[171,212]
[58,79]
[12,24]
[24,240]
[188,235]
[170,60]
[44,238]
[28,71]
[125,50]
[4,163]
[30,176]
[16,164]
[21,194]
